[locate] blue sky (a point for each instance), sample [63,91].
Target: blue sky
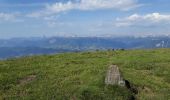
[37,18]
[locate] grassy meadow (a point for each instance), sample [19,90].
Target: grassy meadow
[80,76]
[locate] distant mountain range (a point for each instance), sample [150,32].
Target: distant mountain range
[17,47]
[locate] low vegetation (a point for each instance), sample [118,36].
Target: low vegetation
[80,76]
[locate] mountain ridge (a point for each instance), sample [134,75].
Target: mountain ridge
[73,44]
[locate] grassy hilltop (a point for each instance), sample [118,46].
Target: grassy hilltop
[80,76]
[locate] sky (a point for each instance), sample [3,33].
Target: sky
[38,18]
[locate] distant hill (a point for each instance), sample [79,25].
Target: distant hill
[81,76]
[10,52]
[31,46]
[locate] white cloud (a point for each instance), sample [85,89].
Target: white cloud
[60,7]
[6,17]
[144,20]
[86,5]
[107,4]
[93,5]
[11,17]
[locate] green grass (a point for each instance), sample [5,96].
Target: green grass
[80,76]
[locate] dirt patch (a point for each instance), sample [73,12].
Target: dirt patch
[73,98]
[146,89]
[27,79]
